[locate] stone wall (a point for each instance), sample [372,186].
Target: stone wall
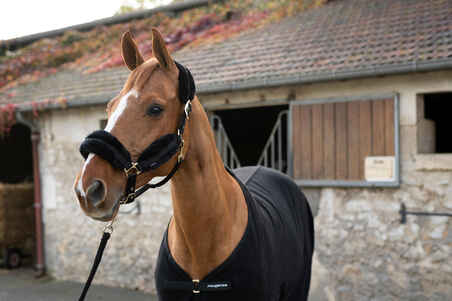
[362,250]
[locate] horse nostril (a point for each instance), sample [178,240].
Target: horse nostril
[96,193]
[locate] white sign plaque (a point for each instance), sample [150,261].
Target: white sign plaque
[379,168]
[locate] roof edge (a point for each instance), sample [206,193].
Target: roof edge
[171,8]
[315,78]
[330,76]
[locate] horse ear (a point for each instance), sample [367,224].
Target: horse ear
[130,53]
[160,51]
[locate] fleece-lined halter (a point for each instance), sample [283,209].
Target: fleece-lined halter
[109,148]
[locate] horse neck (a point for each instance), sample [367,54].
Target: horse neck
[208,204]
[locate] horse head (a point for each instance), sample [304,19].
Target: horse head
[148,107]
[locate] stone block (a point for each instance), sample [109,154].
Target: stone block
[443,253]
[374,221]
[415,252]
[396,233]
[434,162]
[398,276]
[386,205]
[351,271]
[438,227]
[357,206]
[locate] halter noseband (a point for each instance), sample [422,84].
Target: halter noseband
[109,148]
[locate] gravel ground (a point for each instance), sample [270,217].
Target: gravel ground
[21,285]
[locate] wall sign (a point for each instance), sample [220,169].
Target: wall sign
[380,168]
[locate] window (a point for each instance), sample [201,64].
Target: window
[248,130]
[434,123]
[345,142]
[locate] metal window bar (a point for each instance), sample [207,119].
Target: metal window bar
[223,143]
[273,155]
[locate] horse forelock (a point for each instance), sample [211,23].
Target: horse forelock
[140,77]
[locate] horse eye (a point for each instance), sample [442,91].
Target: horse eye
[155,110]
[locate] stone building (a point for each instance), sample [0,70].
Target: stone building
[350,99]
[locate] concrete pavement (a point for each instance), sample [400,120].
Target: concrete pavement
[20,285]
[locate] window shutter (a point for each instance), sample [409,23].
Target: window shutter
[331,140]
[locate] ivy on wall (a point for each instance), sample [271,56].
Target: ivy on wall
[99,49]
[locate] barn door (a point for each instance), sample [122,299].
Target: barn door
[224,145]
[274,154]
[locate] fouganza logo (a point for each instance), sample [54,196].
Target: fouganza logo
[218,285]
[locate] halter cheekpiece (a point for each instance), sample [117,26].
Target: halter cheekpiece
[109,148]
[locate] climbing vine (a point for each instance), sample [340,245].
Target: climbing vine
[99,48]
[7,118]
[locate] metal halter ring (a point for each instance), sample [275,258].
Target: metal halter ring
[109,228]
[125,200]
[132,169]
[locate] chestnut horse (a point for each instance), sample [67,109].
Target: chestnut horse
[214,216]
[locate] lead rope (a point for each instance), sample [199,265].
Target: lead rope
[108,230]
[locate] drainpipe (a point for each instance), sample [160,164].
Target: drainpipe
[35,138]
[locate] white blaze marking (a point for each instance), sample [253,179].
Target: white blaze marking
[80,184]
[119,110]
[110,125]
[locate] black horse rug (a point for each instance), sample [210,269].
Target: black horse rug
[273,259]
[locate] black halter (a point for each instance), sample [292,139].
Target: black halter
[109,148]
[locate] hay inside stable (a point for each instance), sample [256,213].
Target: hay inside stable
[16,215]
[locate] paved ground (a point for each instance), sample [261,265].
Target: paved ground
[20,285]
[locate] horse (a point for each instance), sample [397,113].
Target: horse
[243,234]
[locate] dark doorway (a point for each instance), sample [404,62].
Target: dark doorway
[249,129]
[16,159]
[17,239]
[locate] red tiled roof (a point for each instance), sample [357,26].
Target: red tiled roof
[343,39]
[349,37]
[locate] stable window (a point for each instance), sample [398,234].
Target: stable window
[345,142]
[433,124]
[252,136]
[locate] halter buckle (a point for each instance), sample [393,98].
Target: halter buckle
[196,286]
[132,169]
[187,109]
